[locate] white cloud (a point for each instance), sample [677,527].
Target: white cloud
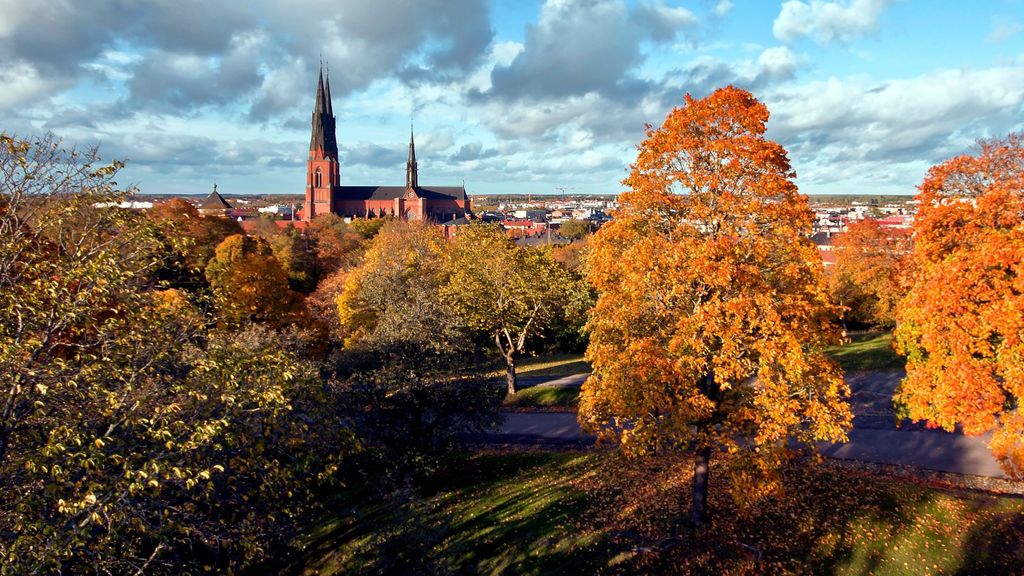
[856,128]
[1003,29]
[827,22]
[722,7]
[23,84]
[779,61]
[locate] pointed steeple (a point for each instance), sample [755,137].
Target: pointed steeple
[411,177]
[327,83]
[323,137]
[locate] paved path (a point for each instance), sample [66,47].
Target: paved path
[875,437]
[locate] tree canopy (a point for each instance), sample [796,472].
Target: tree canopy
[869,275]
[961,326]
[503,290]
[712,309]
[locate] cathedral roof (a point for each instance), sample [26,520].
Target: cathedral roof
[392,192]
[215,202]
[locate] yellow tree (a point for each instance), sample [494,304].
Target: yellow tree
[961,326]
[250,285]
[712,310]
[508,292]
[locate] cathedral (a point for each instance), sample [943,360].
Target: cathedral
[325,194]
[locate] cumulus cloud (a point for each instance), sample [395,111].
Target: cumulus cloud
[583,46]
[373,155]
[472,151]
[827,22]
[854,126]
[195,53]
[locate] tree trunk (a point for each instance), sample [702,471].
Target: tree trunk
[702,459]
[510,373]
[699,507]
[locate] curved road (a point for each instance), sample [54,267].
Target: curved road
[874,438]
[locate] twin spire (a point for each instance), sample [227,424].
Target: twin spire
[324,139]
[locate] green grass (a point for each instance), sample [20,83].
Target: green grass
[490,514]
[867,351]
[553,365]
[545,397]
[566,513]
[547,365]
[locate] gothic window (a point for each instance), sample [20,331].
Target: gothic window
[318,179]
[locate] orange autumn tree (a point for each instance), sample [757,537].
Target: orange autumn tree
[962,324]
[712,311]
[869,276]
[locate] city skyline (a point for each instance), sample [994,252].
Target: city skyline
[512,97]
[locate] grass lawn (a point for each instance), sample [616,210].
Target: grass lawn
[867,351]
[548,365]
[570,513]
[545,397]
[489,514]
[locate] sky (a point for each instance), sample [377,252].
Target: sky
[507,96]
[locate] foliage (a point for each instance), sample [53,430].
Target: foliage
[394,295]
[135,441]
[505,291]
[574,229]
[249,285]
[190,240]
[407,352]
[869,275]
[572,255]
[413,400]
[369,227]
[712,312]
[299,264]
[338,245]
[962,323]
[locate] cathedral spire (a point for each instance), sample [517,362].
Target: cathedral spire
[327,83]
[323,137]
[411,177]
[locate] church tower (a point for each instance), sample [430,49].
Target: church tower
[322,169]
[411,176]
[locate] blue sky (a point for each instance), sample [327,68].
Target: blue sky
[510,96]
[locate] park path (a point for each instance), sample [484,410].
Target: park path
[875,436]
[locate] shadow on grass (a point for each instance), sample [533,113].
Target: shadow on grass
[825,521]
[566,513]
[486,514]
[545,396]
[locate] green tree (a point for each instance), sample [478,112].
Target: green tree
[505,291]
[712,312]
[574,229]
[135,441]
[407,368]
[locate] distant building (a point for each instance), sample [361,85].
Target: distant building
[325,194]
[283,210]
[214,205]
